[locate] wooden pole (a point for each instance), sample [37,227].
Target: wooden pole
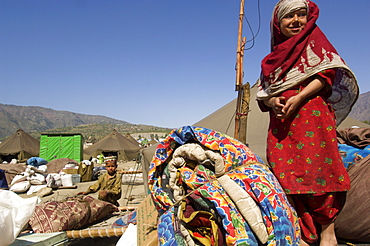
[130,172]
[244,113]
[94,233]
[239,69]
[239,50]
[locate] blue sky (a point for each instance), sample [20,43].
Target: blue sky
[156,62]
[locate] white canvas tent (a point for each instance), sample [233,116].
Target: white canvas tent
[116,144]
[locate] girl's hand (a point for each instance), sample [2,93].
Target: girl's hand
[277,104]
[291,106]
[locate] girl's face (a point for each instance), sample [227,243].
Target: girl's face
[293,23]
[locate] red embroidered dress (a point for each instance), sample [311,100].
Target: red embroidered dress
[302,149]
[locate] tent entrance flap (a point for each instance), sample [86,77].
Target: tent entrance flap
[110,153]
[8,158]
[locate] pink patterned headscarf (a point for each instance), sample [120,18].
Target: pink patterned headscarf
[293,60]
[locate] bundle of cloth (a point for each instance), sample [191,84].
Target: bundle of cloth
[352,223]
[353,144]
[211,189]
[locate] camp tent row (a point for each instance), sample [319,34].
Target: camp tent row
[22,146]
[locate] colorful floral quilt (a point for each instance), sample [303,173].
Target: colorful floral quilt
[206,215]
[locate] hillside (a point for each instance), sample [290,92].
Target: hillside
[34,120]
[95,132]
[361,110]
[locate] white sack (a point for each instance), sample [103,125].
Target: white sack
[19,178]
[67,180]
[37,179]
[42,168]
[53,180]
[129,238]
[35,188]
[20,187]
[15,212]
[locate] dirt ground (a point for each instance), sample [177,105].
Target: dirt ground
[132,195]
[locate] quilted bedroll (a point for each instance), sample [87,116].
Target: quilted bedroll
[210,189]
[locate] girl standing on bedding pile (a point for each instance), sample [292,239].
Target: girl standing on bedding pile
[307,89]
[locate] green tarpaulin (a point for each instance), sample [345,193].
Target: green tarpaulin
[55,146]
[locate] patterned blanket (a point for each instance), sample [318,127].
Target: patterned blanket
[197,199]
[71,214]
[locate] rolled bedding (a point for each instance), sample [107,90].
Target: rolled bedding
[211,189]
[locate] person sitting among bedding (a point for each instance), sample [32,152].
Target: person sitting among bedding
[108,185]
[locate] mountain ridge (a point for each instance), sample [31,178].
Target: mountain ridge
[35,119]
[361,109]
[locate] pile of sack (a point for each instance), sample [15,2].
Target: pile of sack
[35,177]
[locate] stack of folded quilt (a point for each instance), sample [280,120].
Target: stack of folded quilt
[211,189]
